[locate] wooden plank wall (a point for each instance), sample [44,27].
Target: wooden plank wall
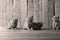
[5,12]
[51,12]
[10,9]
[40,9]
[18,8]
[57,7]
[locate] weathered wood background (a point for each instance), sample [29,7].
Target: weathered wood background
[42,10]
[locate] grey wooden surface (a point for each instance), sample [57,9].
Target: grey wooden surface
[6,34]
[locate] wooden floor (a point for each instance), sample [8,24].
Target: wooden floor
[6,34]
